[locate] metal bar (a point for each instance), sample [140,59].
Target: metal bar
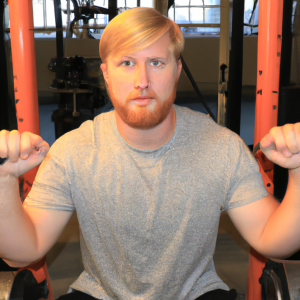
[233,110]
[189,10]
[162,6]
[68,34]
[286,105]
[45,13]
[189,75]
[249,25]
[112,6]
[50,29]
[24,72]
[4,99]
[87,26]
[59,33]
[198,25]
[253,10]
[287,41]
[268,66]
[203,12]
[41,29]
[198,6]
[223,60]
[266,109]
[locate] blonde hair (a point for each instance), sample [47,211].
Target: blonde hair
[135,29]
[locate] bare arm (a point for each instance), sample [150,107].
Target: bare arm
[26,233]
[270,228]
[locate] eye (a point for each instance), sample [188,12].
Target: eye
[127,63]
[156,63]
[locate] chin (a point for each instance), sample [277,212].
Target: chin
[145,118]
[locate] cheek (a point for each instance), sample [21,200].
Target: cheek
[165,83]
[119,85]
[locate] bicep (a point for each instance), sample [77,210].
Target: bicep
[48,225]
[251,219]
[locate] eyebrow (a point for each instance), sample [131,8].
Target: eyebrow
[125,56]
[157,58]
[148,58]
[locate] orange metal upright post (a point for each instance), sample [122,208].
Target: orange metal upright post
[25,88]
[24,71]
[266,111]
[268,66]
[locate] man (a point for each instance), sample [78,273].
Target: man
[148,181]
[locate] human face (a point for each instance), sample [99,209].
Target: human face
[142,85]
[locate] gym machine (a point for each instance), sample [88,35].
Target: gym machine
[270,40]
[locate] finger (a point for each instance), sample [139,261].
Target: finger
[4,134]
[39,144]
[30,141]
[42,147]
[14,146]
[267,145]
[34,139]
[26,145]
[280,142]
[297,133]
[290,138]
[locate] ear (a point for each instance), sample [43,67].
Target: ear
[103,67]
[179,68]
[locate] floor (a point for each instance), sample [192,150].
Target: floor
[231,254]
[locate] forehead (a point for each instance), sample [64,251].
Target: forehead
[160,48]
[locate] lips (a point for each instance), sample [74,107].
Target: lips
[142,100]
[142,97]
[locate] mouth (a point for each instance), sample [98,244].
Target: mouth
[142,100]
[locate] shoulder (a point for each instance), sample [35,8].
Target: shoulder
[200,134]
[88,130]
[203,127]
[85,136]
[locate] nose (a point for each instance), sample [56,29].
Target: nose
[141,78]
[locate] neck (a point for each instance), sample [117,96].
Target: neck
[148,139]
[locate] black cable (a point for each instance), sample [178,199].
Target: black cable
[189,75]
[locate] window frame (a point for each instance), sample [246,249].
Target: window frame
[190,24]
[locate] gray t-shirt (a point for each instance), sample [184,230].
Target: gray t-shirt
[148,218]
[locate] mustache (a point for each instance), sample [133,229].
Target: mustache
[141,95]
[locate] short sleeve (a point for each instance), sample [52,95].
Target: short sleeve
[51,188]
[245,181]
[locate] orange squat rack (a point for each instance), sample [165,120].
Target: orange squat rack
[268,68]
[266,111]
[26,96]
[24,72]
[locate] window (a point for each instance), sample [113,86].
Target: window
[251,17]
[43,11]
[294,11]
[193,16]
[190,13]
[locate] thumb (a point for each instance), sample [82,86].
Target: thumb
[267,145]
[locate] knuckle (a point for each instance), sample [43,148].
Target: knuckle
[288,128]
[26,134]
[297,128]
[3,132]
[15,132]
[273,130]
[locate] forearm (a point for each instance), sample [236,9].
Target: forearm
[280,237]
[17,234]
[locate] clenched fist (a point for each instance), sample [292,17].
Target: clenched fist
[23,151]
[282,146]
